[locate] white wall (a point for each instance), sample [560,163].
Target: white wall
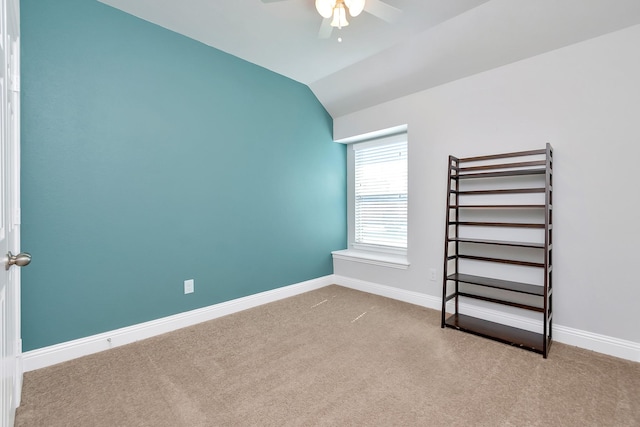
[585,100]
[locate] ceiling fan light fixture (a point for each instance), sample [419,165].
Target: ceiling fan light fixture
[355,7]
[325,7]
[339,16]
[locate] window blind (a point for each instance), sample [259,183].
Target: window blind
[381,197]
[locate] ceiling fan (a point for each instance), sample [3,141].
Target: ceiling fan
[334,12]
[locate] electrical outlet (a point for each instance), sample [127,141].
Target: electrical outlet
[188,286]
[432,274]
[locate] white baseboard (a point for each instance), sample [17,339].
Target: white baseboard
[411,297]
[48,356]
[601,343]
[588,340]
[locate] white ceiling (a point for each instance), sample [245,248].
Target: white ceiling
[433,41]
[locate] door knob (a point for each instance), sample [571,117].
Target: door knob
[20,260]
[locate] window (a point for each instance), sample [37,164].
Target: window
[380,195]
[377,199]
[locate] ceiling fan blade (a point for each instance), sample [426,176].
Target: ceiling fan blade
[383,11]
[325,29]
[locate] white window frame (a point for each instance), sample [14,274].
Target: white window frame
[370,254]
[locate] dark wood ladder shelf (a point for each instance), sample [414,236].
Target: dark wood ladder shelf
[493,207]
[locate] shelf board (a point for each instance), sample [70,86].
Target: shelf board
[502,165]
[505,191]
[502,260]
[501,301]
[497,224]
[503,155]
[523,288]
[498,242]
[501,174]
[506,334]
[498,206]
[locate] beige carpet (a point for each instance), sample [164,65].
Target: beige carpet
[334,357]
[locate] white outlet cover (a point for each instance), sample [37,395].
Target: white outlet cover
[188,286]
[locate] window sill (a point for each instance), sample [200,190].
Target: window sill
[380,259]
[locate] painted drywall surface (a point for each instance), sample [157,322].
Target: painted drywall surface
[585,100]
[148,159]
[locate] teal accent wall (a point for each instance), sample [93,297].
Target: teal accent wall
[149,158]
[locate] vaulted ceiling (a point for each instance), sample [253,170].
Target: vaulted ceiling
[430,43]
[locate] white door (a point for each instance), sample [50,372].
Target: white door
[10,343]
